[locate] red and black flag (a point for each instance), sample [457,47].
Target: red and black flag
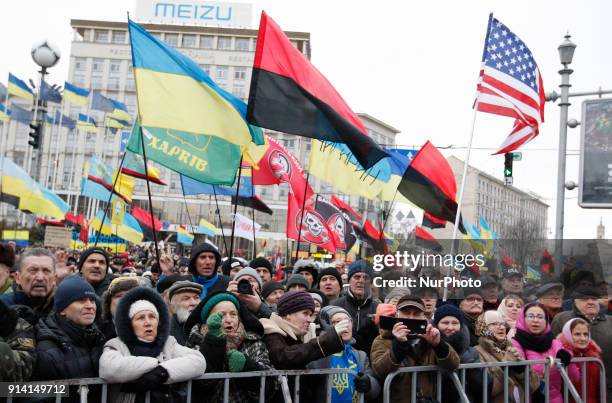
[373,237]
[338,222]
[353,215]
[547,264]
[144,219]
[290,95]
[313,227]
[425,240]
[429,182]
[253,202]
[432,222]
[79,224]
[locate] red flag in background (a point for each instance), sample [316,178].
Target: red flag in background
[354,216]
[280,166]
[426,240]
[432,222]
[290,95]
[144,219]
[547,264]
[314,228]
[279,266]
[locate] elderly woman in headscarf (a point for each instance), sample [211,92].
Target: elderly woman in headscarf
[510,308]
[345,387]
[493,346]
[143,355]
[229,336]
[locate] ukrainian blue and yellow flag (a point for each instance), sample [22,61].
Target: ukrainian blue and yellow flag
[19,88]
[183,236]
[207,228]
[174,93]
[129,230]
[87,123]
[4,113]
[75,95]
[120,113]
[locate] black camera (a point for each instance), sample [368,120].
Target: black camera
[244,286]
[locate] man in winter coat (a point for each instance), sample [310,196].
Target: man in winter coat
[359,304]
[184,297]
[203,264]
[17,345]
[93,267]
[35,281]
[7,260]
[395,349]
[586,306]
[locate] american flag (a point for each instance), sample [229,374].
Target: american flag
[510,84]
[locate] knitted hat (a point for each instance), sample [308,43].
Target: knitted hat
[261,262]
[116,286]
[249,271]
[360,266]
[297,279]
[306,265]
[447,310]
[229,264]
[142,305]
[294,301]
[270,287]
[327,313]
[330,271]
[197,250]
[85,254]
[316,297]
[214,300]
[586,292]
[467,291]
[183,286]
[72,289]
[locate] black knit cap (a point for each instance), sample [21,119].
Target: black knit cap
[229,264]
[330,271]
[270,287]
[85,254]
[294,301]
[261,262]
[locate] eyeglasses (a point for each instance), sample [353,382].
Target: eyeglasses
[534,317]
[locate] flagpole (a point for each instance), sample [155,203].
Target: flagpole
[146,169]
[108,203]
[48,168]
[57,145]
[297,251]
[460,199]
[231,251]
[253,213]
[96,203]
[220,220]
[78,193]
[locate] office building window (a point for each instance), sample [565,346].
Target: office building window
[243,44]
[118,37]
[224,42]
[207,42]
[113,83]
[130,103]
[98,65]
[115,67]
[101,36]
[129,79]
[240,73]
[222,72]
[96,82]
[80,64]
[171,39]
[189,41]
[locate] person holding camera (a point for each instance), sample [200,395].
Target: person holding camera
[421,344]
[411,342]
[246,286]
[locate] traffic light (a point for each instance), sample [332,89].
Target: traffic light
[509,157]
[35,135]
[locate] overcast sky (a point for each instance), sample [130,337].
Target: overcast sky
[411,64]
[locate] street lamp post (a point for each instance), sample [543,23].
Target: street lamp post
[566,53]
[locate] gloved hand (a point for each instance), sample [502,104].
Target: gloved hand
[151,380]
[564,356]
[362,383]
[342,326]
[214,324]
[235,360]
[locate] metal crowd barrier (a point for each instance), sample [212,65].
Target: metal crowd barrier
[458,379]
[84,383]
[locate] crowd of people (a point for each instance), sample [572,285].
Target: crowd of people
[144,325]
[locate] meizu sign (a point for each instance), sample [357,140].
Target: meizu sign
[595,188]
[194,13]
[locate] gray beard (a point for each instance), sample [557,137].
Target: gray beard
[182,315]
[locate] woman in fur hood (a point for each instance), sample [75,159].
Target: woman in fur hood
[143,356]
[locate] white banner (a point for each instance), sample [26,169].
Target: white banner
[244,227]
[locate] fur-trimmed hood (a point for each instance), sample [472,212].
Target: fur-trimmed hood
[123,323]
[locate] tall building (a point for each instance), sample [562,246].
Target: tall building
[511,213]
[601,230]
[100,60]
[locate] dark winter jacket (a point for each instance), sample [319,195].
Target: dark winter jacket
[102,286]
[176,330]
[17,344]
[364,329]
[37,312]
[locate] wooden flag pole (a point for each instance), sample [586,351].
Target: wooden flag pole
[231,251]
[146,169]
[253,213]
[460,199]
[297,250]
[110,197]
[220,221]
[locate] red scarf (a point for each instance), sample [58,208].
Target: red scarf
[592,369]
